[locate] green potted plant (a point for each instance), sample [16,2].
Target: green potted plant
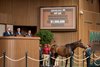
[46,36]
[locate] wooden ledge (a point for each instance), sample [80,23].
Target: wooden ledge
[19,37]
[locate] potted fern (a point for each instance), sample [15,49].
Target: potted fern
[46,36]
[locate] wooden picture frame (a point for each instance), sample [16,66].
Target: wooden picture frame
[58,18]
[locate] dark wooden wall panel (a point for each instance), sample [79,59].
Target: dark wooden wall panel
[26,12]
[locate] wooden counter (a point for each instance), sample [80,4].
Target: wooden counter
[16,47]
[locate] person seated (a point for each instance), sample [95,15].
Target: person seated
[29,34]
[8,32]
[18,33]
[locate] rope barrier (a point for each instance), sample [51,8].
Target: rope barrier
[47,58]
[78,62]
[52,58]
[78,55]
[80,59]
[95,58]
[75,62]
[92,58]
[74,57]
[96,64]
[15,60]
[82,54]
[36,59]
[1,57]
[61,59]
[96,55]
[66,59]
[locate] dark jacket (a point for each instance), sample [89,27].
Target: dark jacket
[7,34]
[18,33]
[27,35]
[88,51]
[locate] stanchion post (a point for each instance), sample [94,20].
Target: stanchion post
[26,59]
[83,58]
[4,58]
[71,60]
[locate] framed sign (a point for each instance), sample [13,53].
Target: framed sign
[58,18]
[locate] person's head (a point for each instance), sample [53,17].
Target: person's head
[46,45]
[29,32]
[8,29]
[18,29]
[89,45]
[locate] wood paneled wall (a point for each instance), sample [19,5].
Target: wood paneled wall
[26,12]
[89,20]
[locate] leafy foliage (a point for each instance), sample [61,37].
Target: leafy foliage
[46,36]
